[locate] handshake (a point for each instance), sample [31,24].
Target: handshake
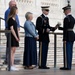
[54,28]
[58,25]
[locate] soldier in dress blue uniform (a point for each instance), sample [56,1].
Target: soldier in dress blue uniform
[43,27]
[68,37]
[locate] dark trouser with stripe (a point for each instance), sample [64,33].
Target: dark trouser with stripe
[43,50]
[68,55]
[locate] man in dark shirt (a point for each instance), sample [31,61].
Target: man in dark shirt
[43,27]
[68,37]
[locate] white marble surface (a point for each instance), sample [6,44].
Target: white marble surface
[34,6]
[55,14]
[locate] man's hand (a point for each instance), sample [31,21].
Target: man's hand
[64,42]
[47,30]
[58,25]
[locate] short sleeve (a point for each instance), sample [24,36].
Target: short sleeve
[10,22]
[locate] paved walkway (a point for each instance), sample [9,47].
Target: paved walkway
[51,71]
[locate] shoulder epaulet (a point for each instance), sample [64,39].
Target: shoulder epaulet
[40,16]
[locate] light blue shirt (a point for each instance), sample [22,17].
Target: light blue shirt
[6,17]
[30,30]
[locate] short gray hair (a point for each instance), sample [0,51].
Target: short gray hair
[27,15]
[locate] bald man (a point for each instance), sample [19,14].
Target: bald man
[11,4]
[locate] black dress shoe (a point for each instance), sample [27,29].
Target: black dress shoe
[63,68]
[40,67]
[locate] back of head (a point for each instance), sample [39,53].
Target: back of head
[12,12]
